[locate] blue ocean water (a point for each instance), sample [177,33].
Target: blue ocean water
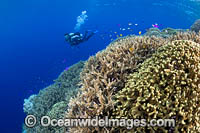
[33,51]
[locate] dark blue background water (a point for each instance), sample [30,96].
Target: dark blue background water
[33,51]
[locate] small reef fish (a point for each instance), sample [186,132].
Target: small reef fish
[128,28]
[121,35]
[131,49]
[140,32]
[123,29]
[115,32]
[155,25]
[136,24]
[129,23]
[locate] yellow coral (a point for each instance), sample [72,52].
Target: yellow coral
[169,94]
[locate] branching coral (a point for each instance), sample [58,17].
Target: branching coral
[106,73]
[166,86]
[192,36]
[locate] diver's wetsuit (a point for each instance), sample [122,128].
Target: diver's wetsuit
[77,38]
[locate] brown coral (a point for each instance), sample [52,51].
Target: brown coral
[166,86]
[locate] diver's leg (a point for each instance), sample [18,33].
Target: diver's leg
[85,35]
[88,37]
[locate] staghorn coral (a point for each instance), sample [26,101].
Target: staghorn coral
[196,26]
[106,73]
[166,86]
[65,87]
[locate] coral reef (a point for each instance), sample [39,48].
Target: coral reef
[151,76]
[106,73]
[166,86]
[196,26]
[55,95]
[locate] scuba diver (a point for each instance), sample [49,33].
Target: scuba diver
[77,38]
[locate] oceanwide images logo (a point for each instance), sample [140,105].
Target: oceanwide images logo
[46,121]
